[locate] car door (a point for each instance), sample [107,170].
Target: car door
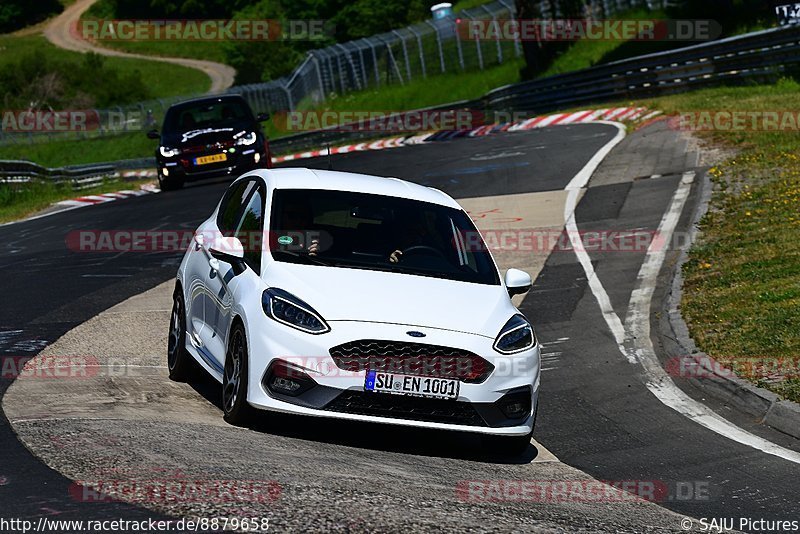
[204,285]
[248,228]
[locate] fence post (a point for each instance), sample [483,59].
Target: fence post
[512,17]
[285,87]
[421,52]
[477,43]
[439,44]
[319,75]
[405,53]
[458,44]
[497,34]
[363,64]
[375,64]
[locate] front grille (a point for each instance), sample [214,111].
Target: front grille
[405,407]
[417,359]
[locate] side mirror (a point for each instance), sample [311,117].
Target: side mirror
[262,117]
[229,250]
[517,282]
[153,134]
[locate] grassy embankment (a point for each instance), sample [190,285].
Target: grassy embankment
[742,290]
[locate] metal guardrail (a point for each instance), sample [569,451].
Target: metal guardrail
[81,177]
[359,131]
[756,57]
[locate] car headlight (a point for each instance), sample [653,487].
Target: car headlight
[517,335]
[291,311]
[169,152]
[247,139]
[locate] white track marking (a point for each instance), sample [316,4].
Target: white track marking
[637,323]
[574,186]
[636,332]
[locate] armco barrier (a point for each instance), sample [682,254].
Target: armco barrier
[755,57]
[80,176]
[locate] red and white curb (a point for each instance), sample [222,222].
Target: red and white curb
[628,114]
[638,115]
[90,200]
[360,147]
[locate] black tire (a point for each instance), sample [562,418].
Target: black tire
[169,185]
[235,408]
[507,445]
[179,362]
[510,445]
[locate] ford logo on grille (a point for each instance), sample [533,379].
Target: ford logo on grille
[414,333]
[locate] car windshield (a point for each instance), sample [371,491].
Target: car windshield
[375,232]
[210,114]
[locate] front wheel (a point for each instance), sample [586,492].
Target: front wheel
[167,184]
[508,445]
[179,362]
[235,408]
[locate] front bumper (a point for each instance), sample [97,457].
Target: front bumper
[480,407]
[237,163]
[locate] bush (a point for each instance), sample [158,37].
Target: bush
[16,14]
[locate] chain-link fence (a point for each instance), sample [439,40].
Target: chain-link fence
[416,52]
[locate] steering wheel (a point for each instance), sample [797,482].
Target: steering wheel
[419,248]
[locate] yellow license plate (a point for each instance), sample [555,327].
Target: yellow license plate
[216,158]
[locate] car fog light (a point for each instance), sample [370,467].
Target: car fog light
[516,404]
[165,171]
[283,378]
[257,157]
[284,385]
[514,409]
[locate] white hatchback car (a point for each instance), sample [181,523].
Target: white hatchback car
[355,297]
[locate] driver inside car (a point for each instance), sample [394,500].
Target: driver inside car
[414,234]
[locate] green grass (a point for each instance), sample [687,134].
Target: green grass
[21,200]
[439,89]
[73,152]
[212,51]
[419,93]
[160,79]
[742,281]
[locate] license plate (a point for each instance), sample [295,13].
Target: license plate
[419,386]
[215,158]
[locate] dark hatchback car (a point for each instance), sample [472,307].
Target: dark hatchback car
[209,137]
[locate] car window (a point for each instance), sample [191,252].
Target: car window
[376,232]
[207,114]
[232,205]
[250,229]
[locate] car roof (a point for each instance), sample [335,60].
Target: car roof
[302,178]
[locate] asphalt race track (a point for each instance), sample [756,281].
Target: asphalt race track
[597,414]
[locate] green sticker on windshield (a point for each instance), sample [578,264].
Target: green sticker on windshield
[285,240]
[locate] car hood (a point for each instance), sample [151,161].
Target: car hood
[341,294]
[206,136]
